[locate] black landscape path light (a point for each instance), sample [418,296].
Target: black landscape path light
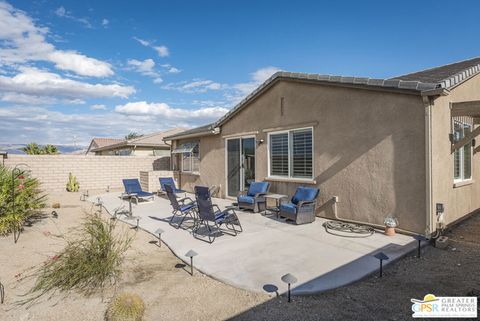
[419,238]
[138,220]
[289,279]
[99,203]
[159,232]
[191,254]
[381,256]
[54,214]
[84,196]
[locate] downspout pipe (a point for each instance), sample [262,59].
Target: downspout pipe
[429,228]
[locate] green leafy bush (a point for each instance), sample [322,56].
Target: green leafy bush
[126,307]
[29,199]
[90,261]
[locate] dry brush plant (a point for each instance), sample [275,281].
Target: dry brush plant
[90,262]
[125,307]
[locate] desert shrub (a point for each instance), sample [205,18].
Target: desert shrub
[72,184]
[90,262]
[29,199]
[125,307]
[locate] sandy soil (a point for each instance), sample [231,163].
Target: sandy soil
[170,293]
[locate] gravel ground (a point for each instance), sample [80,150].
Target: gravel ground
[170,293]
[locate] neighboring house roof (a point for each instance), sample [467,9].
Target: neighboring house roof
[430,82]
[155,140]
[99,142]
[194,132]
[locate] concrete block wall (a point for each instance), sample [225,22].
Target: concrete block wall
[92,172]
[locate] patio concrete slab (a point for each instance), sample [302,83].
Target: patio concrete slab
[269,248]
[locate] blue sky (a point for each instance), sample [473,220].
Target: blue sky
[72,70]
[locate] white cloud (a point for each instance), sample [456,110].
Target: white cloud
[98,107]
[60,11]
[80,64]
[105,22]
[162,51]
[63,13]
[26,124]
[158,80]
[145,67]
[165,112]
[23,42]
[35,82]
[142,42]
[170,69]
[194,86]
[257,78]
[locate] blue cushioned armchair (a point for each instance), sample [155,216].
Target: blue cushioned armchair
[301,208]
[254,198]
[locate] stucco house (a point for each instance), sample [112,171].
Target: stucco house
[403,146]
[146,145]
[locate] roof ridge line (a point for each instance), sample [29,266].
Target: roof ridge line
[460,76]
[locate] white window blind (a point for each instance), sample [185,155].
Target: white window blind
[279,154]
[291,153]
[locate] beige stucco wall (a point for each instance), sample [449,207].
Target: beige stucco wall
[463,200]
[93,172]
[369,148]
[150,180]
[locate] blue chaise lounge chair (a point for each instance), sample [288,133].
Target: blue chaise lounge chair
[301,208]
[254,198]
[134,190]
[169,181]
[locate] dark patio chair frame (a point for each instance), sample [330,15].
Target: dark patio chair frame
[178,204]
[305,211]
[212,217]
[259,201]
[134,191]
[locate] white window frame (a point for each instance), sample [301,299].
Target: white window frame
[191,162]
[461,152]
[290,151]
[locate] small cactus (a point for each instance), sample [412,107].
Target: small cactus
[72,185]
[125,307]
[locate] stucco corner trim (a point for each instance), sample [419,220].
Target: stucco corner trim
[464,183]
[291,180]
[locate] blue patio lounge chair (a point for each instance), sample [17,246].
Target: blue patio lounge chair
[169,181]
[134,190]
[254,198]
[181,207]
[211,217]
[301,208]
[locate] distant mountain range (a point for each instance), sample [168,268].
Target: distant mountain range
[63,149]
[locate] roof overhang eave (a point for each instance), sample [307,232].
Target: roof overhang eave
[436,92]
[212,132]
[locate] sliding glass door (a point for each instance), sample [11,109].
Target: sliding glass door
[240,164]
